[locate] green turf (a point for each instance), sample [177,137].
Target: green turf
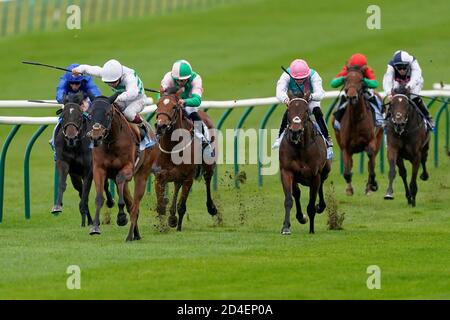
[238,50]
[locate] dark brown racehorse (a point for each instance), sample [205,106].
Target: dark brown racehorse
[407,138]
[74,158]
[180,161]
[358,132]
[116,156]
[302,160]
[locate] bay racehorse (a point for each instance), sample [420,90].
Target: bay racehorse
[180,161]
[303,160]
[116,156]
[407,138]
[358,132]
[74,158]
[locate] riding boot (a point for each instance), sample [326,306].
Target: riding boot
[377,116]
[283,126]
[323,127]
[198,127]
[421,105]
[53,138]
[141,125]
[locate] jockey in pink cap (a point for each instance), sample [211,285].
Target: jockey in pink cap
[302,79]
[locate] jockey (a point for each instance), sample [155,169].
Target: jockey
[71,84]
[125,81]
[182,76]
[404,69]
[370,83]
[301,76]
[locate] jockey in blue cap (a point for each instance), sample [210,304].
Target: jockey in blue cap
[71,84]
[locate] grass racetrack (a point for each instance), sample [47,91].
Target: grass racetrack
[238,50]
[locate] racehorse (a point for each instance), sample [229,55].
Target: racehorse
[116,156]
[170,117]
[358,132]
[303,159]
[74,158]
[407,138]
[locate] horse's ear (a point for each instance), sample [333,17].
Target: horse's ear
[161,91]
[113,97]
[290,95]
[307,95]
[59,111]
[179,92]
[90,95]
[79,97]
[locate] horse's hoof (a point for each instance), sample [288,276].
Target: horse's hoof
[303,219]
[374,187]
[286,232]
[110,204]
[349,191]
[122,220]
[57,209]
[137,238]
[129,239]
[424,176]
[173,221]
[320,209]
[368,192]
[311,231]
[388,196]
[94,230]
[212,210]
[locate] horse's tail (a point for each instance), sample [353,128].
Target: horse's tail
[198,172]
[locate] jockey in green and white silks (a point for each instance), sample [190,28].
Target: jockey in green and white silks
[309,80]
[121,79]
[183,76]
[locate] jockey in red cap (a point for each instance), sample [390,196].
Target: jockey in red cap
[370,83]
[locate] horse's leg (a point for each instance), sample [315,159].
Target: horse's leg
[402,173]
[392,158]
[413,183]
[182,203]
[348,163]
[122,177]
[84,202]
[424,176]
[207,175]
[78,184]
[99,180]
[313,188]
[140,181]
[296,193]
[160,187]
[287,179]
[371,185]
[173,221]
[109,198]
[321,205]
[63,170]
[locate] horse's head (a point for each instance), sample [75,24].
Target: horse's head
[72,118]
[298,116]
[167,110]
[353,84]
[399,108]
[101,118]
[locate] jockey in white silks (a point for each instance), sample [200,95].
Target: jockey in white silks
[404,69]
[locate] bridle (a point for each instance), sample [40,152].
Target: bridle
[72,106]
[399,126]
[296,136]
[175,112]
